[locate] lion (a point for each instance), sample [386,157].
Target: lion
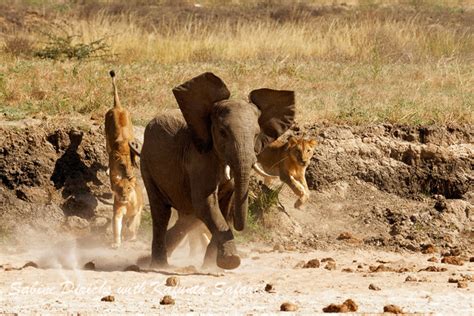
[128,206]
[288,161]
[120,145]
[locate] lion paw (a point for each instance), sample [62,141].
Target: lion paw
[298,203]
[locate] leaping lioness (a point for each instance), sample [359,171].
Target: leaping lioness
[128,198]
[288,161]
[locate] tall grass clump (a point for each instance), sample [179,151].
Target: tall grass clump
[364,62]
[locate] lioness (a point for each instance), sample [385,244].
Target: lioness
[128,198]
[288,161]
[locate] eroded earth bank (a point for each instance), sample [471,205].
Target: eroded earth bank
[390,205]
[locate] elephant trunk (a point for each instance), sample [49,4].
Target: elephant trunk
[242,177]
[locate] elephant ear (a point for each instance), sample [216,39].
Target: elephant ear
[196,99]
[278,114]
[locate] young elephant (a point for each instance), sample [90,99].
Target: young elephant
[183,159]
[288,161]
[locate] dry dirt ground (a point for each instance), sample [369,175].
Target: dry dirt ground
[60,285]
[384,200]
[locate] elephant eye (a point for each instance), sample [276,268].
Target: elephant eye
[223,132]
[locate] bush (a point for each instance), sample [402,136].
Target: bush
[261,199]
[62,45]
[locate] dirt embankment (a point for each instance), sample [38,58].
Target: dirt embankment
[407,161]
[394,187]
[53,176]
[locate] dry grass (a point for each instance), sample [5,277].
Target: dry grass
[407,63]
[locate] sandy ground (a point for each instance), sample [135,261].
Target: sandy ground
[60,284]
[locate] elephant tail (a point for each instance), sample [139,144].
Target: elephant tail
[114,85]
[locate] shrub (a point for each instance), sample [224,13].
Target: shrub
[261,199]
[62,45]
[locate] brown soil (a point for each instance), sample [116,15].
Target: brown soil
[167,300]
[374,287]
[452,260]
[313,263]
[108,298]
[331,265]
[288,307]
[394,309]
[384,182]
[434,269]
[269,288]
[378,188]
[346,307]
[395,187]
[51,172]
[172,281]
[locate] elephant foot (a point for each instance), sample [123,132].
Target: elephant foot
[227,257]
[228,262]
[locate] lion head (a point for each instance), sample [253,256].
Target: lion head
[123,188]
[301,150]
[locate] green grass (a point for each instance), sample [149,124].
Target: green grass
[262,202]
[326,91]
[406,62]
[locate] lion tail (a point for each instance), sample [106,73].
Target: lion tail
[116,97]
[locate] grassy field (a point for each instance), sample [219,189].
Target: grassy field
[362,62]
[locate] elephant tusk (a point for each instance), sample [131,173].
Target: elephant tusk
[256,166]
[227,172]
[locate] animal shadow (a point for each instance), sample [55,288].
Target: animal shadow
[73,176]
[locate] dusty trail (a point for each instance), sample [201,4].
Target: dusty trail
[68,288]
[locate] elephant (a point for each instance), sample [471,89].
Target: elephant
[188,157]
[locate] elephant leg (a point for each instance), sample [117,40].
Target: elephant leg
[206,206]
[227,257]
[160,215]
[176,234]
